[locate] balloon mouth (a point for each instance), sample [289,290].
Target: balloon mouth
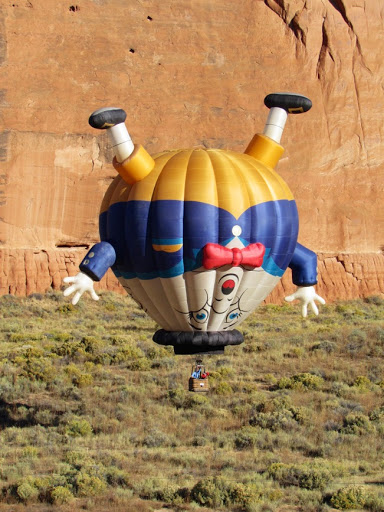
[198,342]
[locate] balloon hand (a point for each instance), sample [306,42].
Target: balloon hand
[80,283]
[307,295]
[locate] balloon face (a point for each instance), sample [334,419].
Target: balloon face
[203,239]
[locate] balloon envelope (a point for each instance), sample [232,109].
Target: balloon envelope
[160,225]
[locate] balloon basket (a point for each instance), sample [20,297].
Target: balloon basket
[198,342]
[199,385]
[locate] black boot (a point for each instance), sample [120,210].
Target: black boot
[292,103]
[107,117]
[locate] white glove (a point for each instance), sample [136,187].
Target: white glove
[307,295]
[81,283]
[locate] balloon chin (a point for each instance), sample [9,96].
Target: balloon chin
[198,342]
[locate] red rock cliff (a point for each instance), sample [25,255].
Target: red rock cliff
[189,73]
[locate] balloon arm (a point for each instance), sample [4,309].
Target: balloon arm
[80,283]
[307,295]
[304,266]
[98,260]
[92,268]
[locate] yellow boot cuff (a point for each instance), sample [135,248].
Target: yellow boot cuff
[264,149]
[136,167]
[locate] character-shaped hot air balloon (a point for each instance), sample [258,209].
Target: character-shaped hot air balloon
[199,237]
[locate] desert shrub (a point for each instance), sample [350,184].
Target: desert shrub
[356,340]
[29,452]
[157,489]
[78,378]
[182,399]
[46,417]
[25,337]
[210,492]
[166,363]
[304,476]
[362,383]
[177,396]
[89,485]
[215,492]
[197,401]
[77,459]
[155,438]
[376,300]
[350,497]
[274,421]
[223,388]
[116,477]
[91,344]
[243,495]
[78,427]
[68,347]
[374,503]
[377,415]
[246,438]
[67,309]
[142,365]
[357,424]
[301,381]
[26,491]
[61,495]
[325,346]
[277,414]
[199,441]
[127,353]
[34,364]
[222,371]
[83,380]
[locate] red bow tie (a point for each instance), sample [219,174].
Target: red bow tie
[215,255]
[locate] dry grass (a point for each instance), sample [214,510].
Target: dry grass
[95,416]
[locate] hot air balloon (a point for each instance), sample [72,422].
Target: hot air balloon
[200,237]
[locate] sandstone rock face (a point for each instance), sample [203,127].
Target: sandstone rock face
[189,74]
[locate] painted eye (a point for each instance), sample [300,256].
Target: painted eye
[233,316]
[200,316]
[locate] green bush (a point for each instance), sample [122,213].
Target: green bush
[325,346]
[155,438]
[182,399]
[78,427]
[350,497]
[157,489]
[127,353]
[377,415]
[210,492]
[362,383]
[77,459]
[116,477]
[61,495]
[27,492]
[305,476]
[89,485]
[141,365]
[216,492]
[223,388]
[67,309]
[246,438]
[301,382]
[278,414]
[357,424]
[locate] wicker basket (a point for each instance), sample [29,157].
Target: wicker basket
[198,385]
